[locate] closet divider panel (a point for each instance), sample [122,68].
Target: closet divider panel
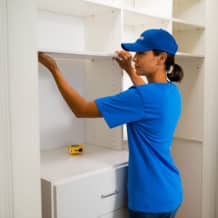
[103,78]
[188,156]
[191,124]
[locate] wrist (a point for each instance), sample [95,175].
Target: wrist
[53,68]
[132,73]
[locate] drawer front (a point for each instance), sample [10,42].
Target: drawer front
[91,196]
[120,213]
[113,190]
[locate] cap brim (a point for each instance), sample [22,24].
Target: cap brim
[134,47]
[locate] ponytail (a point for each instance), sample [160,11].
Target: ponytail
[174,71]
[176,74]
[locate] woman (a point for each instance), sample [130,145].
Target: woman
[151,112]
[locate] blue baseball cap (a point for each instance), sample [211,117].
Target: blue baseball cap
[153,39]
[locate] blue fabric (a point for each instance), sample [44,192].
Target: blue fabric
[151,112]
[153,39]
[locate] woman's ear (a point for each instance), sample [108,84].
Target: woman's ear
[163,57]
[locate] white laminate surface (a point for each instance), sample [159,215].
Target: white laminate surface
[58,165]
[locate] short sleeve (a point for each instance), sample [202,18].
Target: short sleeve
[122,108]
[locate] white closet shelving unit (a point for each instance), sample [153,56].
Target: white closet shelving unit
[82,36]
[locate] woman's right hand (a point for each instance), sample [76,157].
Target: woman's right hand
[47,61]
[124,59]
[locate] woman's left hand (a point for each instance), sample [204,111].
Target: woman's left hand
[47,61]
[124,59]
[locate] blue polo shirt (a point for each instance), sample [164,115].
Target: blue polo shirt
[151,112]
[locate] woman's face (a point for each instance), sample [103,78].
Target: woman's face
[146,63]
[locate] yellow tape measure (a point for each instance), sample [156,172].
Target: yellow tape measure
[75,149]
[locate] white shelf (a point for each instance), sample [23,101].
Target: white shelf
[190,10]
[113,4]
[142,13]
[181,139]
[135,23]
[58,165]
[186,25]
[77,54]
[138,6]
[150,7]
[189,55]
[190,37]
[136,17]
[82,8]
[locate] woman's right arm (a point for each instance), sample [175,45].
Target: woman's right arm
[78,105]
[124,59]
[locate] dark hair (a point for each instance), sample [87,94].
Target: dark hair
[174,71]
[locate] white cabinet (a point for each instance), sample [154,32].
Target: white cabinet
[91,196]
[90,186]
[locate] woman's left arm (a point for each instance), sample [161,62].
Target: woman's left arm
[78,105]
[124,60]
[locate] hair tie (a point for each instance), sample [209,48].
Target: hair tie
[171,69]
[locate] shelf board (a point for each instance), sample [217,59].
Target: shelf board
[136,17]
[77,54]
[182,24]
[101,55]
[81,8]
[58,165]
[184,139]
[188,55]
[104,4]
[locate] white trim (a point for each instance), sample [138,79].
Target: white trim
[210,114]
[19,119]
[6,186]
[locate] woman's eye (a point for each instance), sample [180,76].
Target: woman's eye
[140,53]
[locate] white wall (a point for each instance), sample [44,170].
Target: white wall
[6,209]
[20,165]
[211,117]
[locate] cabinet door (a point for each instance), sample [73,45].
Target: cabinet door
[91,196]
[78,198]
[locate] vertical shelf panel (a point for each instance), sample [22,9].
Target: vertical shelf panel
[191,122]
[188,157]
[103,79]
